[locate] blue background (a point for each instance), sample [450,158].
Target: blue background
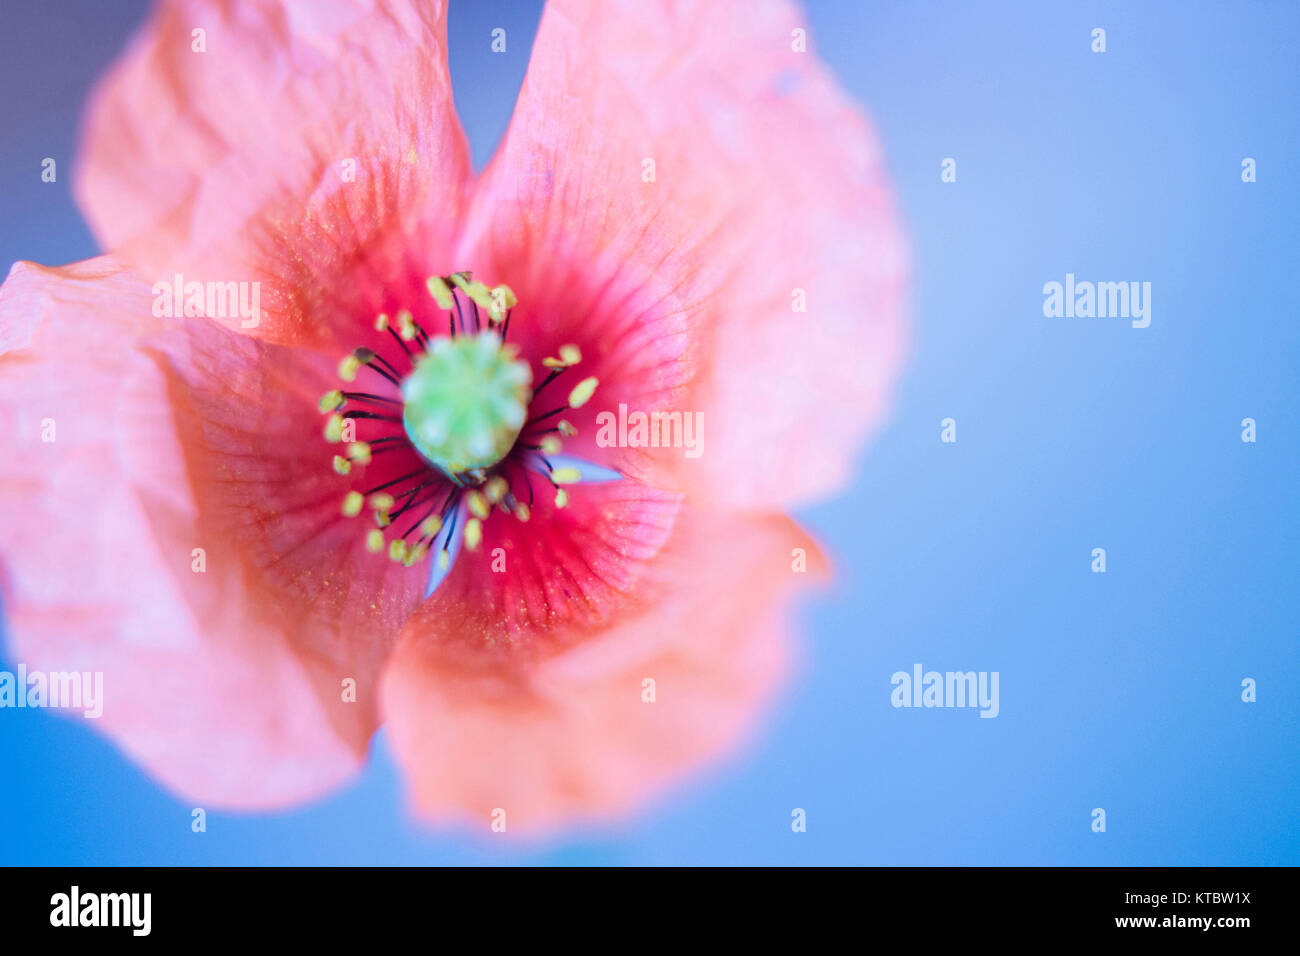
[1119,690]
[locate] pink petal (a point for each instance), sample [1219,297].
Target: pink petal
[559,577]
[560,733]
[642,355]
[767,179]
[226,684]
[228,165]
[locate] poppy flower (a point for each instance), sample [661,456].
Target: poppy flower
[318,446]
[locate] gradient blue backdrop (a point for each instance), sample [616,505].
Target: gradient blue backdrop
[1119,690]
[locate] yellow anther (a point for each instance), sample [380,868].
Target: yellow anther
[503,300]
[359,451]
[561,497]
[566,476]
[382,501]
[374,541]
[569,355]
[478,505]
[348,367]
[332,401]
[397,549]
[550,445]
[522,511]
[444,560]
[565,428]
[381,322]
[582,392]
[352,503]
[473,533]
[334,428]
[430,526]
[341,465]
[405,325]
[415,555]
[382,519]
[438,289]
[479,294]
[495,489]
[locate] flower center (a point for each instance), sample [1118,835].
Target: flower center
[466,400]
[470,438]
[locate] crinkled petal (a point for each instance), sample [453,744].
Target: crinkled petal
[642,357]
[557,578]
[313,148]
[163,524]
[599,720]
[731,179]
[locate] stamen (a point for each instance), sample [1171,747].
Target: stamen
[352,503]
[463,404]
[395,481]
[503,300]
[582,392]
[372,415]
[545,415]
[429,523]
[438,289]
[460,315]
[381,365]
[495,489]
[547,381]
[367,397]
[570,355]
[473,533]
[478,293]
[477,504]
[348,367]
[406,328]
